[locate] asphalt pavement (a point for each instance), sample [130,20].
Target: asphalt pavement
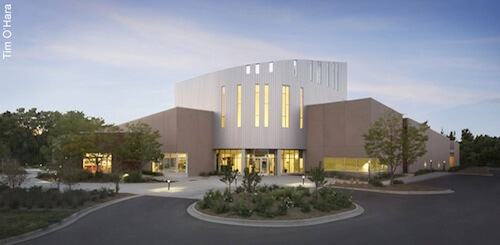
[471,215]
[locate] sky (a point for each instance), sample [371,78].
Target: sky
[435,61]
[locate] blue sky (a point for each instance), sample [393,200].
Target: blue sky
[431,60]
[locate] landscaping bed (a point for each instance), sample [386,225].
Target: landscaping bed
[275,203]
[25,210]
[394,187]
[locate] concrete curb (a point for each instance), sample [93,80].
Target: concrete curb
[64,223]
[447,191]
[275,223]
[473,174]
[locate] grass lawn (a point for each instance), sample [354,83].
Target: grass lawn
[15,222]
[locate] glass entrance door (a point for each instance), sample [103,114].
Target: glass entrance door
[261,165]
[264,168]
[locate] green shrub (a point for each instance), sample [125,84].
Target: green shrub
[282,192]
[285,204]
[457,168]
[242,209]
[147,172]
[239,189]
[227,195]
[376,182]
[220,206]
[305,208]
[329,199]
[133,177]
[210,198]
[397,182]
[263,204]
[423,171]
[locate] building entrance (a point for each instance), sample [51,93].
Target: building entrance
[263,161]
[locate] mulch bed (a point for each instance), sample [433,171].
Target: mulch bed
[293,213]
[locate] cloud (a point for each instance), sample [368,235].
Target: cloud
[161,43]
[400,86]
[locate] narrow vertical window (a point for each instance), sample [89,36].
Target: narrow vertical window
[301,108]
[238,113]
[338,77]
[271,67]
[328,74]
[257,105]
[257,68]
[266,105]
[311,71]
[295,67]
[318,71]
[285,106]
[248,69]
[334,73]
[223,106]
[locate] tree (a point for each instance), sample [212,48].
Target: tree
[139,146]
[228,175]
[250,179]
[317,176]
[73,135]
[13,174]
[388,141]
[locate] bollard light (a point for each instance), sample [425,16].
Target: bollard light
[168,184]
[431,164]
[303,179]
[425,164]
[444,165]
[236,180]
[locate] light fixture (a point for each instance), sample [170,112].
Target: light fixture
[303,179]
[168,184]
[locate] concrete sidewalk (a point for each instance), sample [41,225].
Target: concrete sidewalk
[184,187]
[412,179]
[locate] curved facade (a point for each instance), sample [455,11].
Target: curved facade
[320,82]
[260,110]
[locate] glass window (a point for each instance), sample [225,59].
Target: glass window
[292,161]
[238,113]
[257,105]
[172,163]
[257,68]
[271,67]
[311,71]
[285,106]
[229,157]
[97,162]
[223,106]
[353,164]
[295,67]
[301,108]
[248,69]
[266,105]
[318,71]
[328,74]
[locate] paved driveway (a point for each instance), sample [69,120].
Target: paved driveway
[469,216]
